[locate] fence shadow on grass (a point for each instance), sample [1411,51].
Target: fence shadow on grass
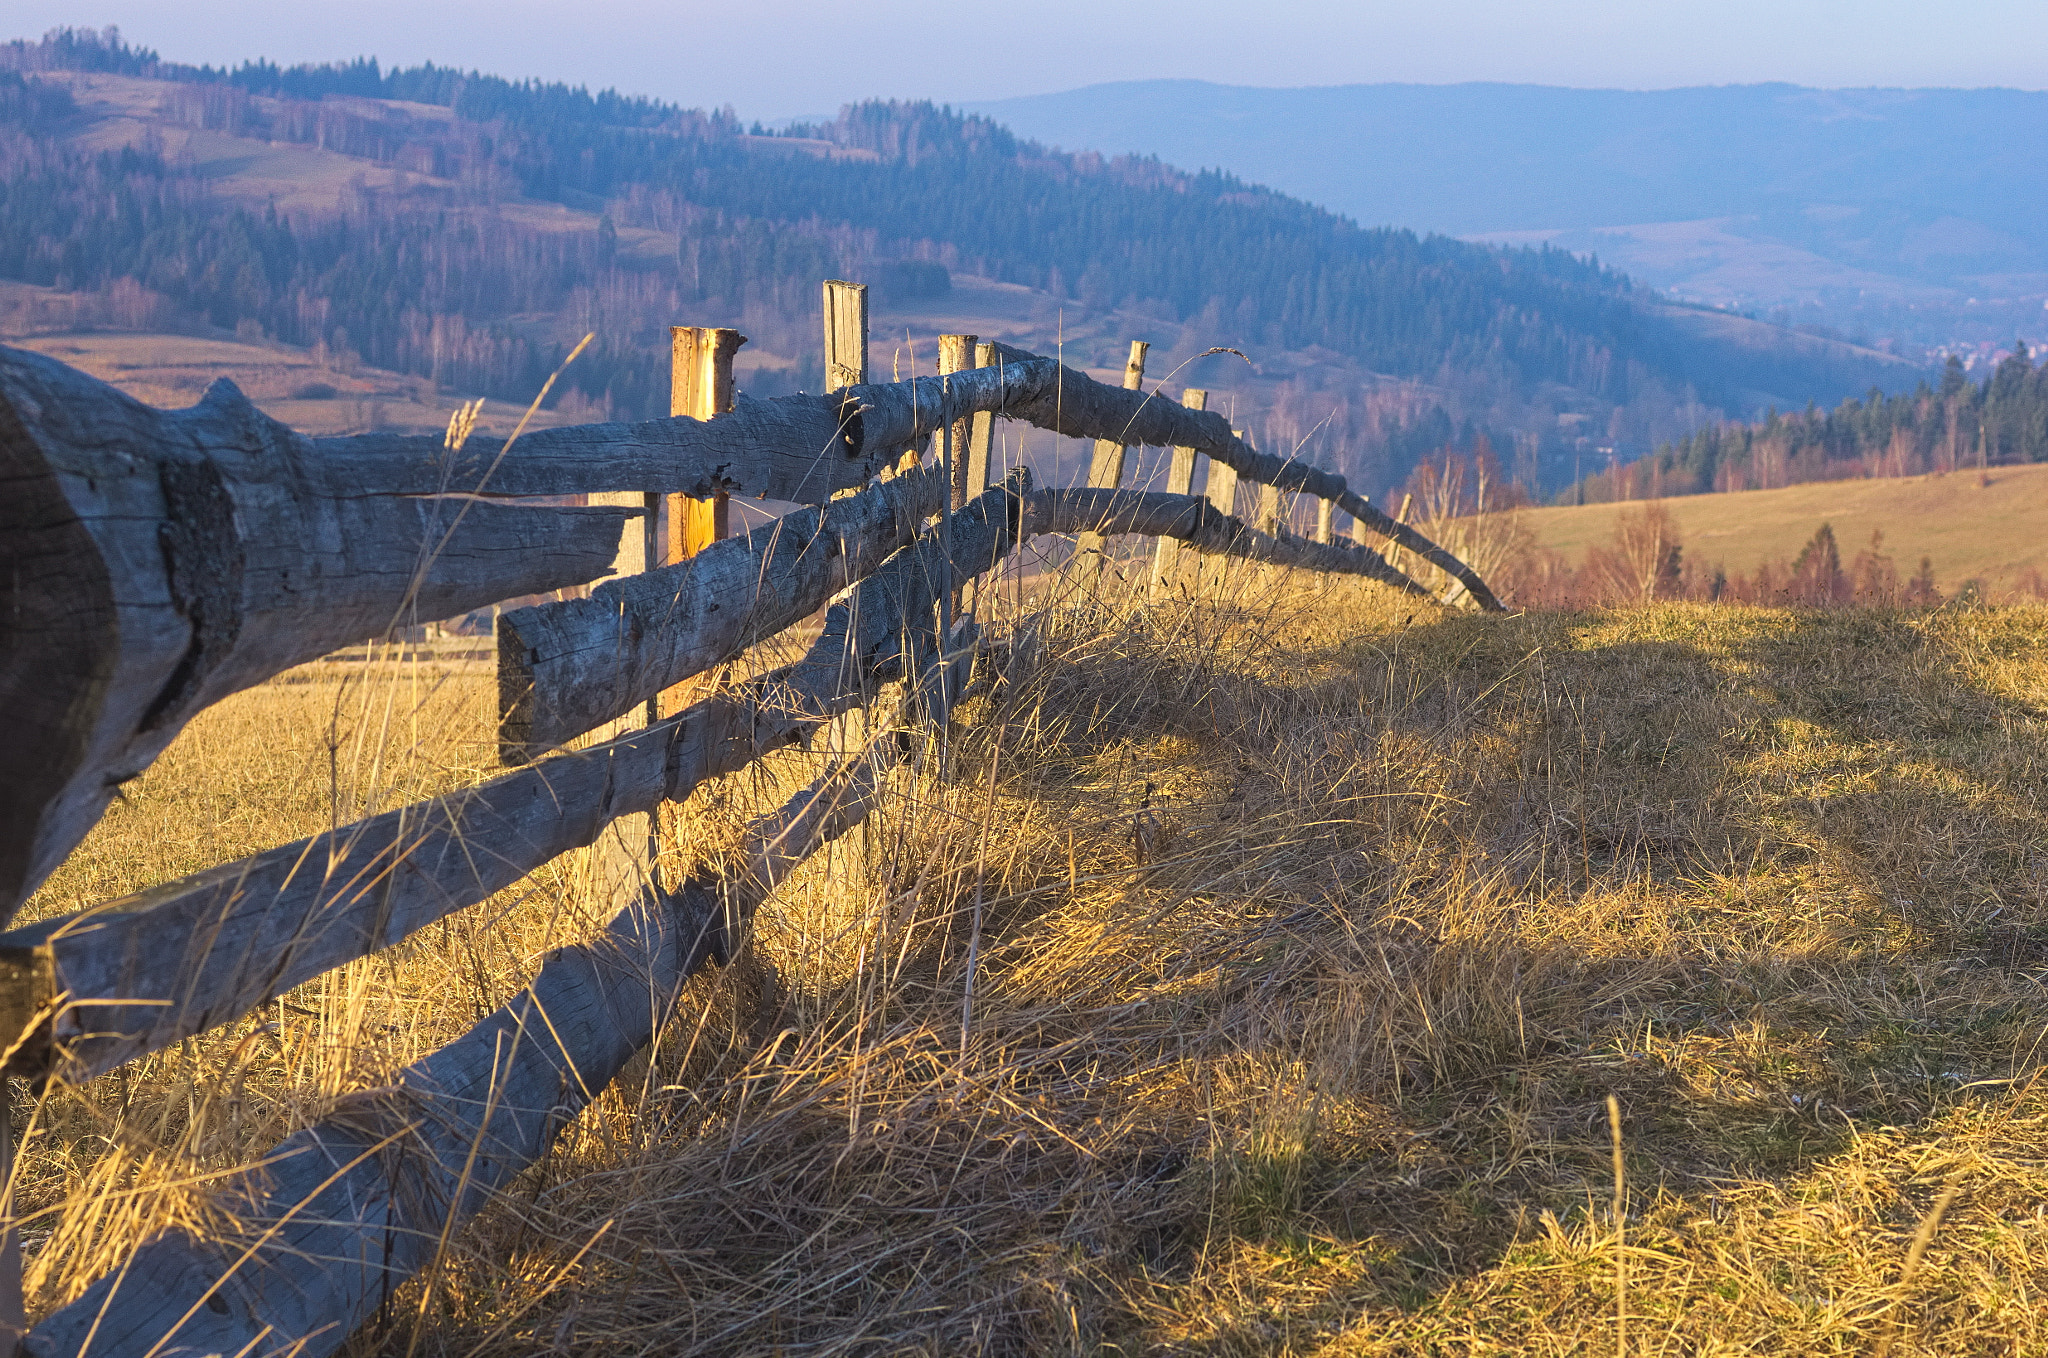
[1307,965]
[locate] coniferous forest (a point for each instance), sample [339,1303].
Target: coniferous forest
[701,217]
[1955,425]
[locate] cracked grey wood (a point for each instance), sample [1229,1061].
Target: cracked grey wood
[153,562]
[220,546]
[569,666]
[110,984]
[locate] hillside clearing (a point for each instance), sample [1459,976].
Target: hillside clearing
[1315,934]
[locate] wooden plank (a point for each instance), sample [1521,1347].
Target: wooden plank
[800,448]
[1180,480]
[803,448]
[284,546]
[87,992]
[153,562]
[1106,466]
[566,667]
[346,1210]
[845,307]
[1074,404]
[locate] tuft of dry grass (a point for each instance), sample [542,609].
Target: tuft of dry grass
[1315,932]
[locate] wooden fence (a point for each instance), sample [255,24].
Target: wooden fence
[153,562]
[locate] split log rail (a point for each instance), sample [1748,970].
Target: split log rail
[154,562]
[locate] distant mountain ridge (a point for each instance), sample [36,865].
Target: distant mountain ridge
[1922,193]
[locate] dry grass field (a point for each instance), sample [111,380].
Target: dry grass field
[1992,528]
[1315,933]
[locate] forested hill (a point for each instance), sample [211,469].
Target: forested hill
[1956,426]
[429,269]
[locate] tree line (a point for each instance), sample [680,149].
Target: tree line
[1954,425]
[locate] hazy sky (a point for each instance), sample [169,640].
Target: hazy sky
[778,58]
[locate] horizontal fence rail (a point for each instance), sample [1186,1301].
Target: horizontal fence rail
[90,991]
[153,562]
[372,1189]
[567,668]
[165,559]
[99,988]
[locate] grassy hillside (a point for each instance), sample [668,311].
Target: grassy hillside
[1318,1066]
[1994,529]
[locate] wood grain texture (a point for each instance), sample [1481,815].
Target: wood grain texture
[348,1209]
[980,433]
[567,667]
[111,984]
[804,448]
[846,333]
[153,562]
[956,354]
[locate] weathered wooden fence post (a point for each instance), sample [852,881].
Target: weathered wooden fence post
[1221,492]
[1326,516]
[700,386]
[1180,480]
[980,432]
[980,443]
[852,857]
[672,528]
[846,333]
[956,354]
[1106,468]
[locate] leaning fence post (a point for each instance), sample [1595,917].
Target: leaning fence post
[1180,480]
[1106,468]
